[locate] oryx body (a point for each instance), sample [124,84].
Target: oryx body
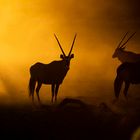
[129,73]
[52,73]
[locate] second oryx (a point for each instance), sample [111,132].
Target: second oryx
[122,54]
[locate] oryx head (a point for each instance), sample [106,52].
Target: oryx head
[120,48]
[63,56]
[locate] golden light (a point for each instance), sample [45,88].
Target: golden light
[26,37]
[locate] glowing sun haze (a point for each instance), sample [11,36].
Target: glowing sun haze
[27,30]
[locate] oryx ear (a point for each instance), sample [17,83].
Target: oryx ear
[61,56]
[72,56]
[123,47]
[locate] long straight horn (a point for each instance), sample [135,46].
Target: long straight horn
[122,40]
[72,44]
[128,39]
[59,45]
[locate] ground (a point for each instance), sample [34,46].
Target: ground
[69,119]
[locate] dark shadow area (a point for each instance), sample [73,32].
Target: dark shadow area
[70,119]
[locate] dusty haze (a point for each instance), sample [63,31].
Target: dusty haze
[26,37]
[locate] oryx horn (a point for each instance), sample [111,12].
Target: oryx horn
[128,39]
[59,45]
[122,39]
[72,44]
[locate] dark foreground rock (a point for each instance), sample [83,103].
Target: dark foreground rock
[72,119]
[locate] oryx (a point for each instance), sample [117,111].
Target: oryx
[129,73]
[122,54]
[52,73]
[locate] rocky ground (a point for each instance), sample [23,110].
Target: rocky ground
[70,119]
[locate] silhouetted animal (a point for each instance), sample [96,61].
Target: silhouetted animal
[129,73]
[52,73]
[125,56]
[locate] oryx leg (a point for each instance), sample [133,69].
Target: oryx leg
[37,90]
[56,91]
[127,84]
[53,88]
[33,98]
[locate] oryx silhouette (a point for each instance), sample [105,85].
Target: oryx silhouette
[52,73]
[122,54]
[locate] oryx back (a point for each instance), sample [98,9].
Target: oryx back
[52,73]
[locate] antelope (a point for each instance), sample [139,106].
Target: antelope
[129,73]
[52,74]
[122,54]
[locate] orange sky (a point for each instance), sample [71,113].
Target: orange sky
[26,36]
